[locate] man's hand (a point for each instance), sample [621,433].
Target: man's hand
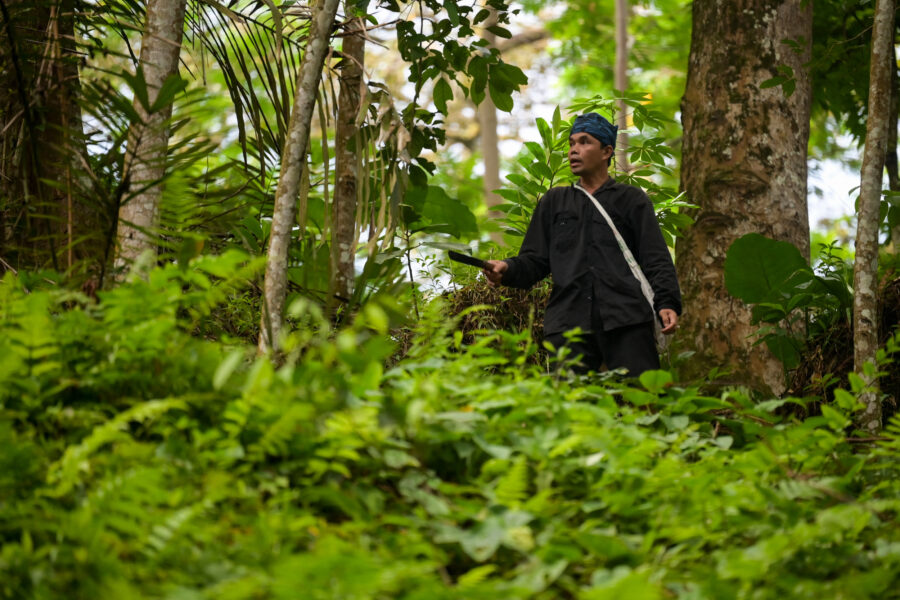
[669,320]
[493,271]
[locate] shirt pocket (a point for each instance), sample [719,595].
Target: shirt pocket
[565,231]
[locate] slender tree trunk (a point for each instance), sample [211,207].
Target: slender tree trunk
[621,82]
[488,124]
[345,233]
[293,159]
[865,273]
[490,152]
[744,165]
[490,140]
[149,140]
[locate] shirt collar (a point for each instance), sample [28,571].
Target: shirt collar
[608,184]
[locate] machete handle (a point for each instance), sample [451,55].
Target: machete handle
[466,259]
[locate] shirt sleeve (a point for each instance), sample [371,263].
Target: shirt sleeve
[533,262]
[654,257]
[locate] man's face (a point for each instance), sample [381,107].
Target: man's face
[587,154]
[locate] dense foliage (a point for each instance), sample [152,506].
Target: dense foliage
[141,461]
[148,452]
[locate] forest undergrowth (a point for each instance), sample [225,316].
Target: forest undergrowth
[141,461]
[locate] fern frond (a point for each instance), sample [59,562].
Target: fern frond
[475,576]
[276,439]
[65,473]
[512,488]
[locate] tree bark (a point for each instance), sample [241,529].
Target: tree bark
[490,141]
[490,152]
[41,141]
[621,82]
[149,140]
[488,124]
[890,155]
[744,165]
[293,159]
[345,232]
[865,272]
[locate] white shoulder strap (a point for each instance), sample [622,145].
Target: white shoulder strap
[629,257]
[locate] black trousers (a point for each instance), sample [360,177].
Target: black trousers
[632,347]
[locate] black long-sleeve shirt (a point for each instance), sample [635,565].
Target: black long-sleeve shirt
[569,238]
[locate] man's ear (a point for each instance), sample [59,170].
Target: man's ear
[608,151]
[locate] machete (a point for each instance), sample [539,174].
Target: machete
[465,258]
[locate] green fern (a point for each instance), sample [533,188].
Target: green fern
[512,488]
[66,472]
[475,576]
[277,437]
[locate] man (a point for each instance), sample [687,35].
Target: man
[593,287]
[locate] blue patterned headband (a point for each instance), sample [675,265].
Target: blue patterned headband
[596,126]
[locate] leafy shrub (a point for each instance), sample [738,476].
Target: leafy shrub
[793,299]
[805,312]
[143,462]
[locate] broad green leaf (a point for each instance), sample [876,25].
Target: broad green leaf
[452,12]
[757,266]
[546,133]
[847,401]
[501,32]
[656,381]
[675,422]
[620,583]
[478,71]
[501,96]
[536,151]
[442,94]
[431,207]
[723,441]
[785,349]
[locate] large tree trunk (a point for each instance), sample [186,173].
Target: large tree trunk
[744,165]
[345,233]
[293,159]
[149,140]
[621,82]
[865,273]
[41,141]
